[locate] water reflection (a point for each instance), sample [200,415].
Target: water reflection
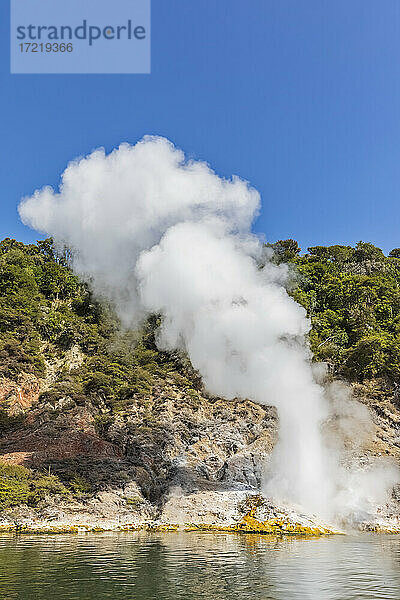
[199,565]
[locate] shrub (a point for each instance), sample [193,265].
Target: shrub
[19,485]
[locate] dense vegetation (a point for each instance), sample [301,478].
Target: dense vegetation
[45,310]
[19,485]
[352,296]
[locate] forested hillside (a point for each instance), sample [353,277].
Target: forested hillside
[352,296]
[45,311]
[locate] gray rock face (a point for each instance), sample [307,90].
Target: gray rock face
[174,443]
[197,443]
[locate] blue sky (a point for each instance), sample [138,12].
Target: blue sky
[301,98]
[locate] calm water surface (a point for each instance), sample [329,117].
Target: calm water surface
[177,566]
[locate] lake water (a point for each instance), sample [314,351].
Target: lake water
[174,566]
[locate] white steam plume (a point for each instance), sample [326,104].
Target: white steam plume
[158,234]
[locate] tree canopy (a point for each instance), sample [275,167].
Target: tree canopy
[352,296]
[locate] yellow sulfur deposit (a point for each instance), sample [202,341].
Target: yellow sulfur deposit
[162,527]
[275,526]
[149,527]
[271,526]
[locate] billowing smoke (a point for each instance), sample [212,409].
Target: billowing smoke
[155,233]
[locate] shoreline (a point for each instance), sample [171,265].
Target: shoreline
[274,531]
[271,529]
[231,511]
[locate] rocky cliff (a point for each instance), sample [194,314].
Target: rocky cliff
[175,456]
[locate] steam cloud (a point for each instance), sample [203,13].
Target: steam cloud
[155,233]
